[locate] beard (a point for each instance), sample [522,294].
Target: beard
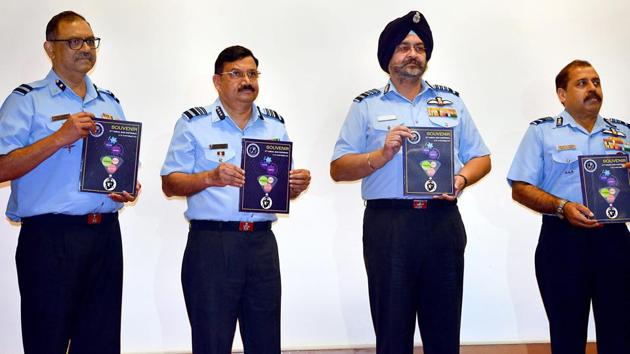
[410,69]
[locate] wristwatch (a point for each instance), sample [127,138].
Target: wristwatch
[560,208]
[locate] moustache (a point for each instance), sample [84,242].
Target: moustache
[83,55]
[412,61]
[246,88]
[592,95]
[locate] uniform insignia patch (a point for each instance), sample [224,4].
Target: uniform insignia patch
[219,111]
[107,92]
[23,89]
[445,89]
[559,121]
[417,17]
[366,94]
[60,84]
[614,132]
[195,111]
[439,101]
[267,112]
[614,122]
[442,112]
[542,120]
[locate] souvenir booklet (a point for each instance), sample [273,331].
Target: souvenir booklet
[606,187]
[109,160]
[428,161]
[266,164]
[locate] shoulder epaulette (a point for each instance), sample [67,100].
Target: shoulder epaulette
[366,94]
[108,92]
[267,112]
[613,121]
[23,89]
[542,120]
[194,112]
[445,89]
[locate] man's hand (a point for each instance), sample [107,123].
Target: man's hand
[77,126]
[394,141]
[579,215]
[125,197]
[299,180]
[459,183]
[227,175]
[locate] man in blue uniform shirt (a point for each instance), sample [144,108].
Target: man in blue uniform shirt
[413,248]
[230,269]
[577,259]
[69,254]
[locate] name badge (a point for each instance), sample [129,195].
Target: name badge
[567,147]
[385,118]
[218,146]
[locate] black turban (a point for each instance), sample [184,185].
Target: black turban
[397,30]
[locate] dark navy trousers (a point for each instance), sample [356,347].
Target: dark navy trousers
[415,263]
[230,275]
[576,267]
[70,279]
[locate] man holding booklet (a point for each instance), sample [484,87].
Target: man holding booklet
[413,245]
[69,253]
[580,257]
[230,269]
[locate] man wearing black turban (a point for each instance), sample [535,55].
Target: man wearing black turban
[413,245]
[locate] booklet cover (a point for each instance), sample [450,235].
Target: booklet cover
[110,157]
[428,161]
[266,164]
[606,187]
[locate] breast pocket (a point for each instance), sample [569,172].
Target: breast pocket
[565,162]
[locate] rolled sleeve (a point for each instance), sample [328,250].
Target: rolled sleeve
[181,152]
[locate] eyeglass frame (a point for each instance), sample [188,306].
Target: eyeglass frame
[238,74]
[96,40]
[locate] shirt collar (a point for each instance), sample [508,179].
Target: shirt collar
[390,90]
[565,118]
[57,86]
[219,113]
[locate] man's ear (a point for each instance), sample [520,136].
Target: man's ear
[49,50]
[562,95]
[216,80]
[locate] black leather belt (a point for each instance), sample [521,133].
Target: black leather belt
[409,203]
[64,219]
[242,226]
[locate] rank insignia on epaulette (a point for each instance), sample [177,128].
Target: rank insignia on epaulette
[366,94]
[613,122]
[270,113]
[195,111]
[542,120]
[23,89]
[445,89]
[439,101]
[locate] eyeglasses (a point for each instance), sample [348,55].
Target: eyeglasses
[77,43]
[237,74]
[406,48]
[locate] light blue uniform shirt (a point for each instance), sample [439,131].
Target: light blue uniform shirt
[547,156]
[370,118]
[52,186]
[193,150]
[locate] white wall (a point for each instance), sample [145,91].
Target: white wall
[316,56]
